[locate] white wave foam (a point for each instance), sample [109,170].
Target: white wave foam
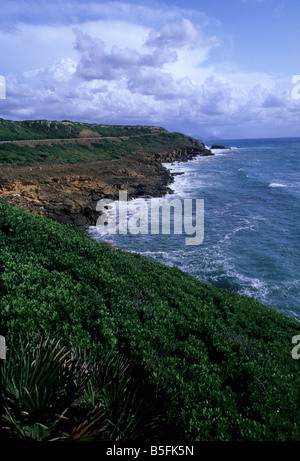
[238,229]
[220,151]
[277,184]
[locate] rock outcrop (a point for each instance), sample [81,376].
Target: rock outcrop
[216,146]
[68,193]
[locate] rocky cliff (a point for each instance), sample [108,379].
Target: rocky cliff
[68,193]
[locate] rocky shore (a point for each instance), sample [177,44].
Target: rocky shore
[68,193]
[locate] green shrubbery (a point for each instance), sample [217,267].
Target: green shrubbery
[222,361]
[14,154]
[117,140]
[43,129]
[60,153]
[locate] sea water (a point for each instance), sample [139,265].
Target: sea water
[251,245]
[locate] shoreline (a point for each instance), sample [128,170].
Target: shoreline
[68,193]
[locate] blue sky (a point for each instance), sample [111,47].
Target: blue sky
[207,68]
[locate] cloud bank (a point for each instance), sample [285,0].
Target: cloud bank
[137,65]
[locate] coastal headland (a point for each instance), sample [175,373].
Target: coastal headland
[68,192]
[176,359]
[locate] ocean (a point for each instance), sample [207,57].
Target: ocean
[250,245]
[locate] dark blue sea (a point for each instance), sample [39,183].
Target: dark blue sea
[251,245]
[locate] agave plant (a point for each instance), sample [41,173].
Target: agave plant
[53,392]
[38,388]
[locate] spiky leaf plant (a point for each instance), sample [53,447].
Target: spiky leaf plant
[53,392]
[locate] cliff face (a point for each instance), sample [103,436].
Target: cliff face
[69,193]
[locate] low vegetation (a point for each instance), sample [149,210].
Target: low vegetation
[44,129]
[111,142]
[220,362]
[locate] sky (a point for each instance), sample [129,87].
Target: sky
[212,69]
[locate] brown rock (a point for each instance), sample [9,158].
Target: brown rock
[68,193]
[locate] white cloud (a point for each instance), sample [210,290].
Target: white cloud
[136,64]
[179,34]
[97,63]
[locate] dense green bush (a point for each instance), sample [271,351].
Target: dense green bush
[14,154]
[222,360]
[44,129]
